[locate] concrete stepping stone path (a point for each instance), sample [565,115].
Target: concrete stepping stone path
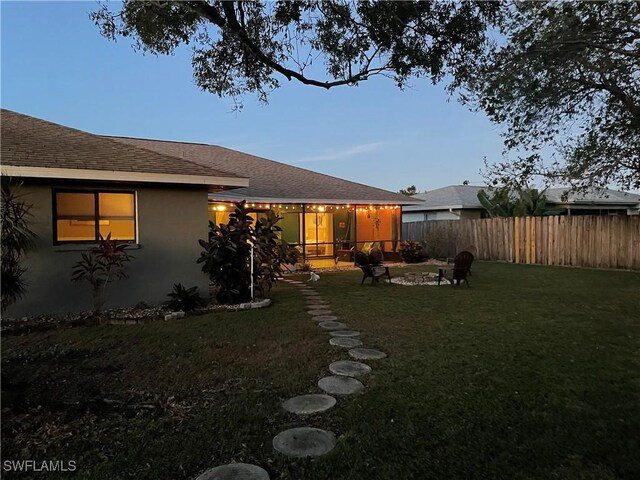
[344,333]
[345,342]
[366,354]
[308,404]
[325,318]
[235,471]
[318,311]
[349,368]
[332,325]
[340,385]
[304,442]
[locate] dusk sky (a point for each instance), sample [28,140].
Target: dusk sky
[57,66]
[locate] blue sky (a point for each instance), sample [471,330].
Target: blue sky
[56,66]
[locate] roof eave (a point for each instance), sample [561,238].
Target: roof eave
[120,176]
[227,197]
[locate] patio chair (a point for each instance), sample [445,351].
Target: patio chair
[460,271]
[368,270]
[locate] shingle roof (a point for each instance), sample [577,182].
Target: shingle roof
[466,196]
[31,142]
[270,180]
[554,195]
[453,196]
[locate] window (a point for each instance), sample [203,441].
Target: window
[82,216]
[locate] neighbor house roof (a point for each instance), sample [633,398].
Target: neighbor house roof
[606,197]
[36,148]
[458,197]
[271,181]
[455,197]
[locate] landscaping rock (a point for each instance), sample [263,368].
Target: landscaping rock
[340,385]
[345,342]
[344,333]
[366,354]
[304,442]
[308,404]
[349,368]
[332,325]
[235,471]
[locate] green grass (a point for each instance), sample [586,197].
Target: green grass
[533,373]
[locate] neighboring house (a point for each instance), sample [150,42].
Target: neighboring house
[454,202]
[325,215]
[457,202]
[83,185]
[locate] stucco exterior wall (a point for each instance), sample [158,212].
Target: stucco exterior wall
[169,221]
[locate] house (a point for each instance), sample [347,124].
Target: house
[454,202]
[457,202]
[82,185]
[327,216]
[159,196]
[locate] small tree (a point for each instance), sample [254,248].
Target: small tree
[17,238]
[226,255]
[410,191]
[101,266]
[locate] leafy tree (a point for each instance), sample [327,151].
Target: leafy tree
[17,239]
[410,191]
[241,47]
[226,255]
[565,80]
[523,202]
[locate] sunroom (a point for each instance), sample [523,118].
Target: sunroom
[327,233]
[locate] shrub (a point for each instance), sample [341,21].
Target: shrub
[101,266]
[185,299]
[412,252]
[226,255]
[17,238]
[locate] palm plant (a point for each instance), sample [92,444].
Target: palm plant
[17,239]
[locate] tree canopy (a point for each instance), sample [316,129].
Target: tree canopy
[565,80]
[410,191]
[241,47]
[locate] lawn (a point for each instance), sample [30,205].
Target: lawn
[532,373]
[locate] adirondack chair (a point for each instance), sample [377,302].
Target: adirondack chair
[368,270]
[460,271]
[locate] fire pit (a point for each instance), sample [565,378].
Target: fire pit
[418,278]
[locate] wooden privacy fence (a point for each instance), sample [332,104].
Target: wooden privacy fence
[585,241]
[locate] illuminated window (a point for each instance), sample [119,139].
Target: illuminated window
[82,216]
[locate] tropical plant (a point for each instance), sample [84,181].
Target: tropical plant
[17,238]
[412,252]
[184,299]
[226,255]
[524,202]
[100,266]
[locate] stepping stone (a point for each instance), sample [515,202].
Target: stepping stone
[349,368]
[344,333]
[366,354]
[319,311]
[325,318]
[345,342]
[304,442]
[332,325]
[295,282]
[317,304]
[307,404]
[235,471]
[340,385]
